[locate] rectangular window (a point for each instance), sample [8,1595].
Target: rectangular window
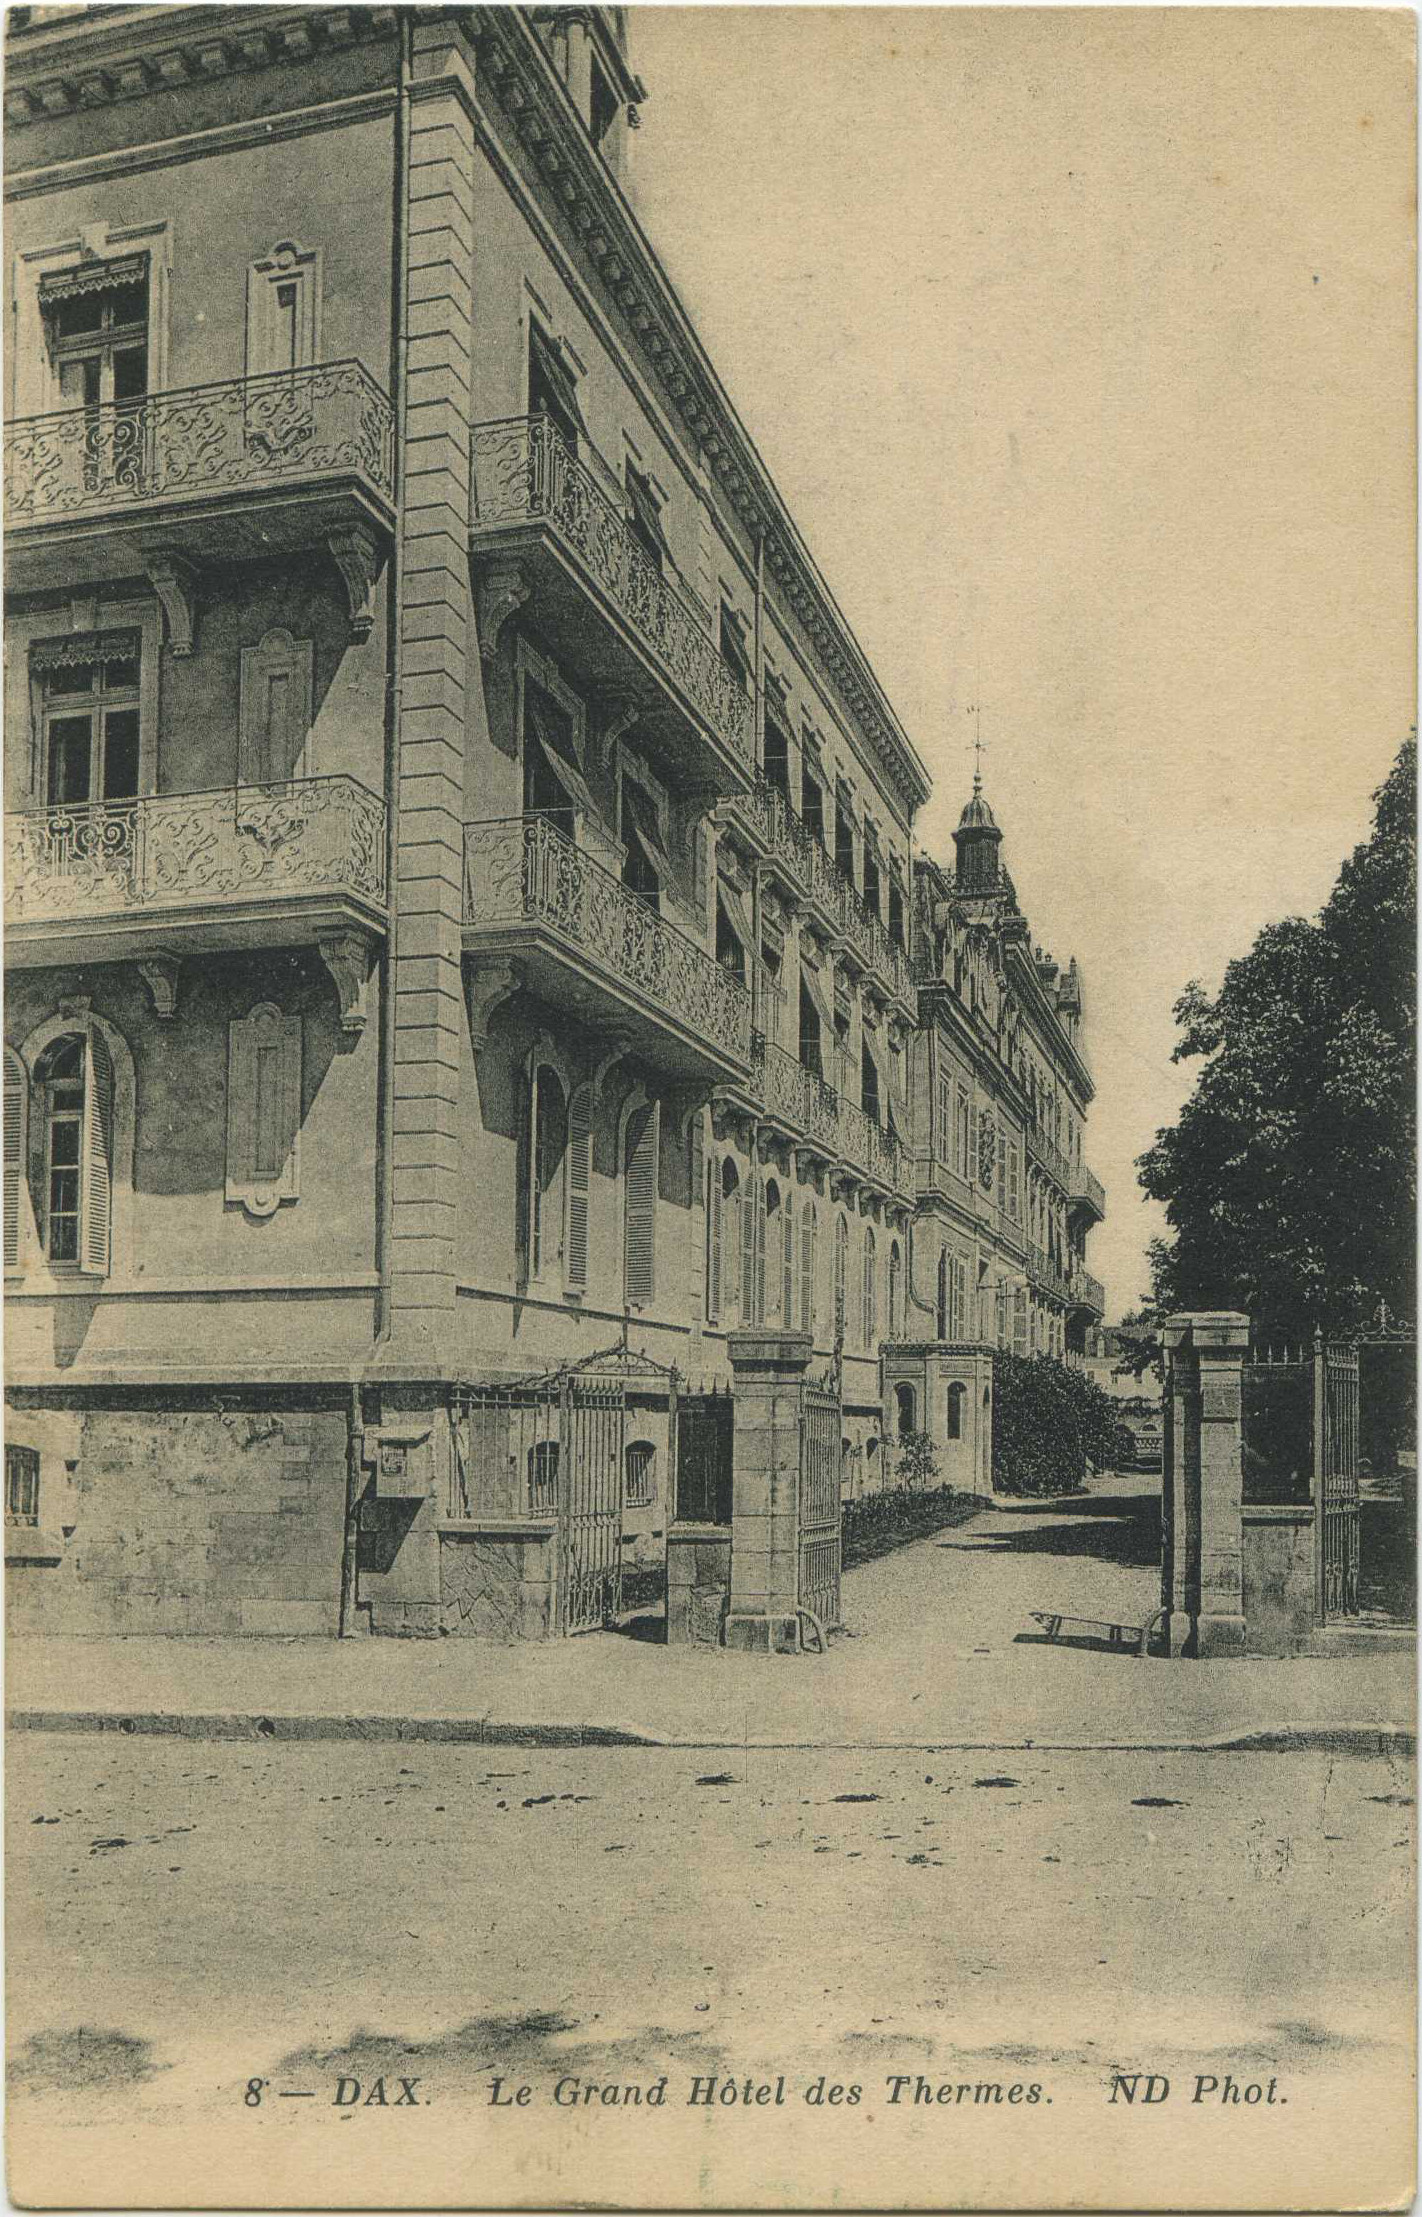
[734,649]
[812,805]
[777,755]
[604,105]
[96,327]
[640,1152]
[88,699]
[943,1137]
[641,1462]
[553,388]
[644,520]
[22,1479]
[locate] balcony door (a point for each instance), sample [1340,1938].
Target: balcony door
[96,329]
[89,720]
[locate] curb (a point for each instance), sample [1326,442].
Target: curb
[1392,1742]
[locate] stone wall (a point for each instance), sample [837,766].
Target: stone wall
[180,1521]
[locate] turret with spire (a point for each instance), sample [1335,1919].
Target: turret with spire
[977,840]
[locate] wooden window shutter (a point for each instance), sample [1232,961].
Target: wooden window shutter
[16,1111]
[870,1318]
[731,1235]
[750,1217]
[807,1269]
[1019,1320]
[787,1258]
[96,1180]
[263,1109]
[580,1144]
[941,1301]
[713,1243]
[972,1146]
[643,1130]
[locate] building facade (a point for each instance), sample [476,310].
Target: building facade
[459,871]
[1004,1199]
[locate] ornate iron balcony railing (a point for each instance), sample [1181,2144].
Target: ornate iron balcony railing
[245,433]
[1090,1292]
[784,831]
[523,870]
[525,473]
[1050,1157]
[796,1097]
[323,835]
[1086,1186]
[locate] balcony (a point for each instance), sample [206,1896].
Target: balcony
[783,1092]
[248,467]
[798,858]
[1045,1276]
[244,866]
[547,539]
[586,945]
[1088,1294]
[1050,1158]
[1085,1191]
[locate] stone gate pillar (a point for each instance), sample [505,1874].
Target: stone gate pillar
[1202,1556]
[770,1371]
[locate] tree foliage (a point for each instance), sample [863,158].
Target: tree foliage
[1289,1181]
[917,1460]
[1049,1422]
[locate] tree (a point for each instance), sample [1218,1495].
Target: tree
[1289,1181]
[1049,1421]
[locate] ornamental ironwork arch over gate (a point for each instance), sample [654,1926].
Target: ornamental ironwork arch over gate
[553,1445]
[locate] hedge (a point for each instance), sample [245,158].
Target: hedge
[1049,1423]
[876,1523]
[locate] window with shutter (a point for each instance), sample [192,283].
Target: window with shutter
[263,1109]
[841,1275]
[98,1144]
[549,1128]
[16,1119]
[895,1290]
[732,1222]
[871,1307]
[713,1244]
[941,1298]
[808,1229]
[750,1241]
[640,1150]
[580,1145]
[1019,1320]
[972,1163]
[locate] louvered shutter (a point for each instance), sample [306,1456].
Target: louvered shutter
[580,1141]
[643,1129]
[787,1260]
[972,1146]
[941,1305]
[714,1211]
[759,1213]
[1019,1320]
[960,1298]
[841,1258]
[96,1183]
[750,1215]
[732,1235]
[807,1270]
[16,1103]
[870,1318]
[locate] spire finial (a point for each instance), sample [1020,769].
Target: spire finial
[980,748]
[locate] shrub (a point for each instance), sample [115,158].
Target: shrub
[1049,1422]
[917,1464]
[875,1523]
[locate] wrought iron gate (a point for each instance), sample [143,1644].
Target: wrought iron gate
[1336,1511]
[820,1507]
[592,1436]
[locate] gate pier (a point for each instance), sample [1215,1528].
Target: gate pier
[1202,1504]
[770,1413]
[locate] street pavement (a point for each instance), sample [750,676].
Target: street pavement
[861,1869]
[939,1648]
[186,1919]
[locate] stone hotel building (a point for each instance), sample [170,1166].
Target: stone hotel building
[480,1044]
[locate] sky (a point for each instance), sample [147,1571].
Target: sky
[1079,344]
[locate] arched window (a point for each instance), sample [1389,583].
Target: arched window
[548,1124]
[640,1148]
[808,1229]
[941,1297]
[906,1409]
[640,1463]
[871,1288]
[895,1290]
[73,1139]
[956,1394]
[841,1275]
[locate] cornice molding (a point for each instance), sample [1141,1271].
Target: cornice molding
[518,76]
[126,53]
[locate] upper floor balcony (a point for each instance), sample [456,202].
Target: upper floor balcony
[1049,1157]
[549,541]
[1088,1294]
[795,855]
[1085,1191]
[809,1111]
[172,873]
[246,467]
[575,936]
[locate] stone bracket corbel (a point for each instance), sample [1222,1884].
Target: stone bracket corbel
[622,713]
[502,591]
[175,581]
[617,1046]
[487,985]
[159,973]
[357,556]
[346,955]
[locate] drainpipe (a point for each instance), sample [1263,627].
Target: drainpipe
[394,584]
[347,1625]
